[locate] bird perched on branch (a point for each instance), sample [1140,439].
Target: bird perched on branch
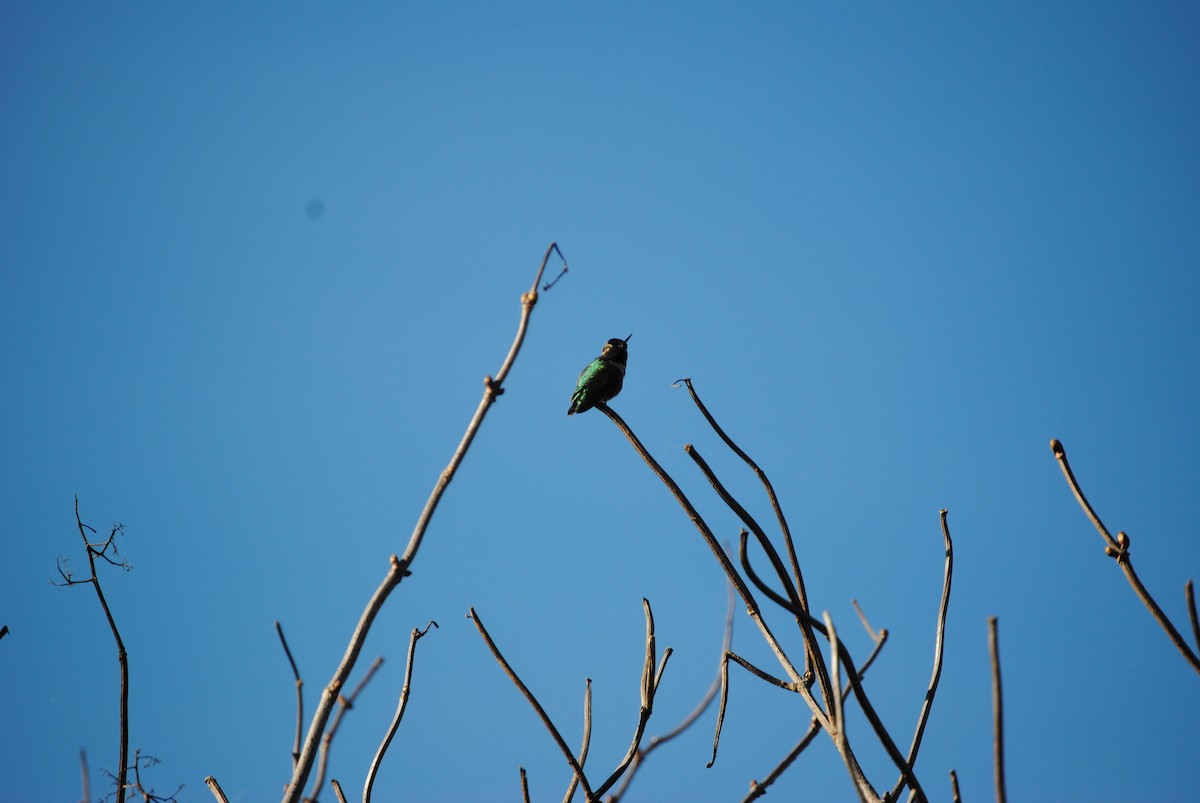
[603,377]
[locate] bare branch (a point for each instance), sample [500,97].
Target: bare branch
[649,687]
[337,790]
[216,790]
[939,644]
[730,572]
[492,389]
[122,656]
[87,780]
[1118,549]
[587,738]
[524,786]
[533,701]
[345,703]
[997,710]
[413,638]
[299,694]
[812,649]
[954,795]
[656,741]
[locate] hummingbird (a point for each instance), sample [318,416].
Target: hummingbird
[603,377]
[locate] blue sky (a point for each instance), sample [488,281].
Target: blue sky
[898,249]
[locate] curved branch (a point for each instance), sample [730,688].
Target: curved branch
[405,689]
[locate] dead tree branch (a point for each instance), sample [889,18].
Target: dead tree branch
[413,638]
[1118,549]
[345,703]
[299,694]
[400,566]
[997,710]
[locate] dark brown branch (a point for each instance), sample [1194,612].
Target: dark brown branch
[1118,549]
[730,572]
[1189,596]
[492,389]
[657,741]
[812,648]
[939,645]
[122,656]
[3,631]
[759,788]
[524,786]
[587,739]
[997,711]
[954,795]
[413,638]
[299,694]
[762,476]
[533,701]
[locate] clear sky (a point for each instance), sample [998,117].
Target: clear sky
[257,259]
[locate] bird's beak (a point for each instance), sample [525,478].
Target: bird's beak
[627,339]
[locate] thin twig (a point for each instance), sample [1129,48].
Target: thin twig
[1189,596]
[533,701]
[997,711]
[524,786]
[337,790]
[939,644]
[345,703]
[649,688]
[954,795]
[1118,549]
[299,694]
[657,741]
[413,638]
[492,388]
[587,739]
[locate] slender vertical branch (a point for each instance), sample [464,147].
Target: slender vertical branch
[954,795]
[587,739]
[299,694]
[997,711]
[1118,549]
[122,656]
[1189,596]
[87,780]
[413,638]
[492,389]
[939,644]
[533,701]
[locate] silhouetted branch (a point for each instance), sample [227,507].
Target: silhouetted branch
[101,550]
[345,703]
[730,572]
[492,389]
[533,701]
[812,650]
[3,631]
[87,780]
[524,786]
[997,710]
[1118,549]
[759,788]
[299,694]
[939,644]
[413,638]
[954,795]
[587,739]
[709,696]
